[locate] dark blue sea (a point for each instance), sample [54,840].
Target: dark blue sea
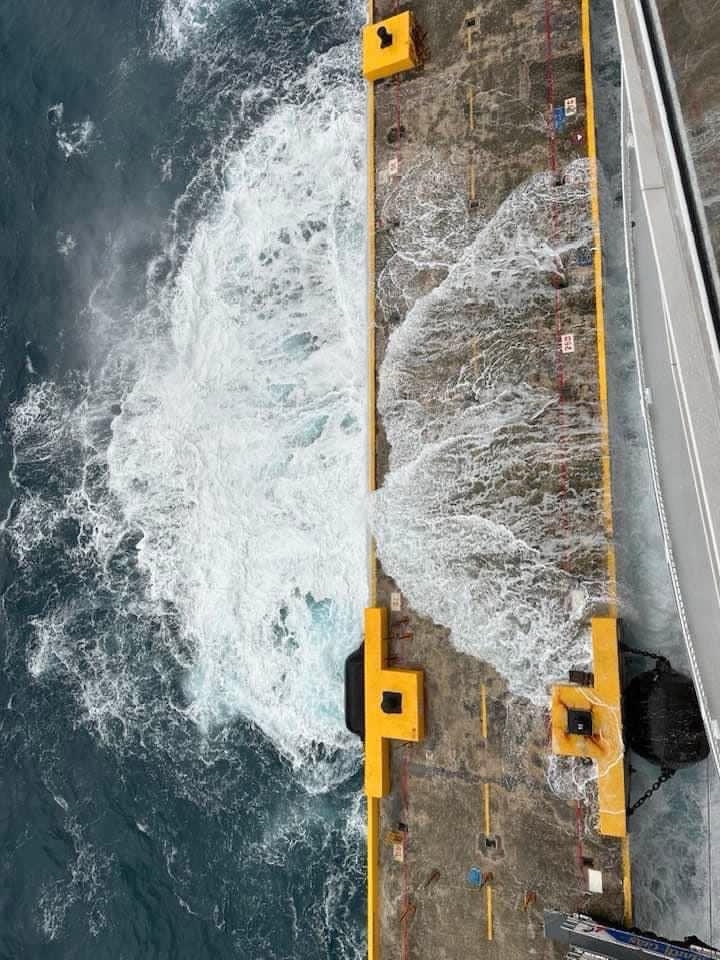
[181,478]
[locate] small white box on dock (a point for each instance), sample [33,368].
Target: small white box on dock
[595,881]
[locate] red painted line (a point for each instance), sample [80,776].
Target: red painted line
[554,237]
[580,833]
[405,803]
[405,954]
[560,374]
[397,118]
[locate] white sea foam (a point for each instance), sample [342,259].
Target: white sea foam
[75,139]
[85,882]
[468,518]
[66,243]
[56,113]
[236,464]
[238,453]
[181,23]
[304,830]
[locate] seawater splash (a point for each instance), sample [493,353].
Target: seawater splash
[468,518]
[205,486]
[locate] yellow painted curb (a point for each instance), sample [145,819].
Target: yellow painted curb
[373,871]
[373,804]
[602,379]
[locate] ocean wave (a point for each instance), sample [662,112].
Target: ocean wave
[182,23]
[85,882]
[205,484]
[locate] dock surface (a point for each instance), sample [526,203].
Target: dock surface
[454,146]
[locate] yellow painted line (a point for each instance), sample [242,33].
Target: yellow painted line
[627,883]
[373,870]
[489,897]
[483,711]
[471,108]
[371,398]
[599,307]
[371,353]
[468,37]
[372,572]
[486,805]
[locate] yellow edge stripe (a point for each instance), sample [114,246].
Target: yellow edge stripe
[489,896]
[371,279]
[602,383]
[373,814]
[627,882]
[373,869]
[371,398]
[486,805]
[599,304]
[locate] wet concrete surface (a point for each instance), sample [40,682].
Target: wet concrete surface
[453,140]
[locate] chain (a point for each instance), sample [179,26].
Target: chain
[666,773]
[650,654]
[663,778]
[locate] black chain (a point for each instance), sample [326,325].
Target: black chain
[663,778]
[651,655]
[666,773]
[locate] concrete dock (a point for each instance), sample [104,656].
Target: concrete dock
[474,794]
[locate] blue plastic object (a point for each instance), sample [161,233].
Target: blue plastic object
[475,877]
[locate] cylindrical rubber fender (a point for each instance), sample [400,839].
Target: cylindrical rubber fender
[355,692]
[662,717]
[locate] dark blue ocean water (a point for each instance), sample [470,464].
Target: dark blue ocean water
[152,803]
